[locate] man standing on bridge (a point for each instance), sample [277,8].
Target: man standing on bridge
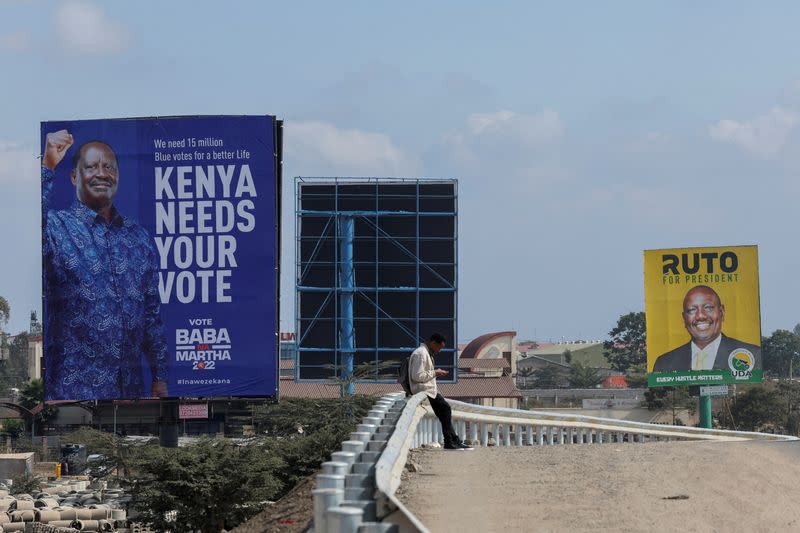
[422,375]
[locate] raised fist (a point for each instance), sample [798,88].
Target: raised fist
[55,146]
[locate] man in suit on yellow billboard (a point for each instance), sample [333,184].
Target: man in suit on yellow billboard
[708,349]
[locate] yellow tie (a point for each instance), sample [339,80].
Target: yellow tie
[701,360]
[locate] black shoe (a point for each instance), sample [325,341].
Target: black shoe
[463,446]
[449,446]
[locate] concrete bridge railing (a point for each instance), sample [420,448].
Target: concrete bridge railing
[367,502]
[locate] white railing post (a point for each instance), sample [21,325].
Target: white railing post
[507,435]
[540,436]
[473,431]
[529,435]
[324,499]
[484,434]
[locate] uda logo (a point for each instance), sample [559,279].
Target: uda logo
[741,362]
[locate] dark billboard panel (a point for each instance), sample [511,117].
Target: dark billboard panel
[377,268]
[160,244]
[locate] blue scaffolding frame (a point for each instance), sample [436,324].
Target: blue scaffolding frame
[339,227]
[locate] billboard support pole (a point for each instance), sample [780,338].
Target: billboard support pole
[347,285]
[168,424]
[705,412]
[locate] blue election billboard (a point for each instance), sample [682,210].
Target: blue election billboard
[160,250]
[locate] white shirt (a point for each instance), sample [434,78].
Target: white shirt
[421,372]
[710,350]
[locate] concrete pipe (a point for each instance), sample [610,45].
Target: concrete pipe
[14,526]
[100,514]
[4,518]
[67,513]
[23,505]
[45,503]
[83,514]
[43,515]
[106,525]
[86,525]
[119,514]
[22,516]
[60,523]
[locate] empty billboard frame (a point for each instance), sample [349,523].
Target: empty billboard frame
[376,273]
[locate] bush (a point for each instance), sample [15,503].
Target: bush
[25,484]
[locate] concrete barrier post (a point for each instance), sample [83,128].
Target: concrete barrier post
[344,457]
[359,435]
[540,436]
[473,432]
[529,435]
[335,468]
[344,519]
[561,435]
[507,435]
[324,499]
[330,481]
[484,433]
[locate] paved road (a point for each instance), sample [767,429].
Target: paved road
[660,486]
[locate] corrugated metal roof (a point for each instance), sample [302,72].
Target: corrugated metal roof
[472,349]
[469,362]
[468,387]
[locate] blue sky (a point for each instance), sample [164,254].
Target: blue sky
[581,133]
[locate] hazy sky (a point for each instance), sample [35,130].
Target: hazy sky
[581,132]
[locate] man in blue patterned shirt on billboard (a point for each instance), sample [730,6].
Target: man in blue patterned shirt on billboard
[101,285]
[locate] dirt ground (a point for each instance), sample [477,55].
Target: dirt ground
[293,513]
[677,486]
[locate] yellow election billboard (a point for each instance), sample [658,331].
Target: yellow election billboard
[703,316]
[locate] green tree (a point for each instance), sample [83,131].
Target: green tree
[780,351]
[26,483]
[567,356]
[550,377]
[369,371]
[628,343]
[796,329]
[670,399]
[32,395]
[5,312]
[583,377]
[13,428]
[210,486]
[16,368]
[758,407]
[524,372]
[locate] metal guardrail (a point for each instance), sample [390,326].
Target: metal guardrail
[356,491]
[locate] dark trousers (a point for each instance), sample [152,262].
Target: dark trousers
[443,412]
